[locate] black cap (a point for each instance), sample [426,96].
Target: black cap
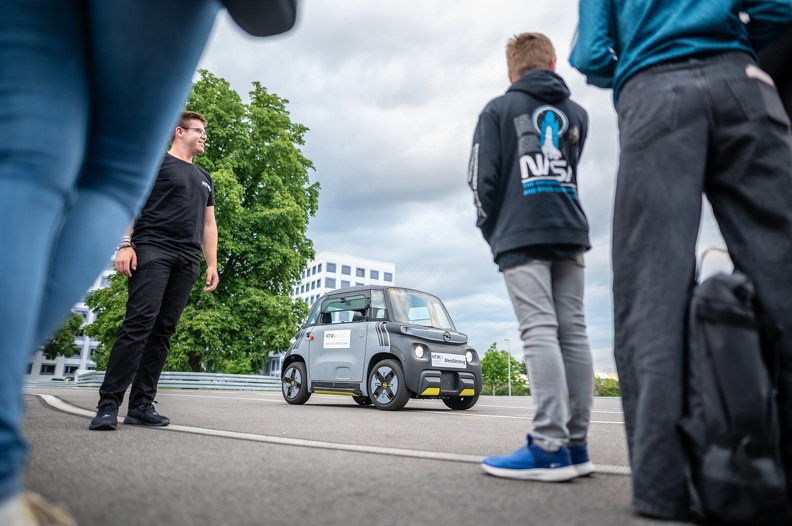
[263,18]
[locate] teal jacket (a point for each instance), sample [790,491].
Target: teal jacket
[618,38]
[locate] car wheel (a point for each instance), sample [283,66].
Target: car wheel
[387,386]
[362,400]
[295,384]
[461,402]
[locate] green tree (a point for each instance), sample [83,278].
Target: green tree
[606,387]
[263,200]
[495,373]
[62,342]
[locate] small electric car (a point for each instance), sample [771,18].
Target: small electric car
[381,345]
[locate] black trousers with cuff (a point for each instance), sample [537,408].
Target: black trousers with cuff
[158,292]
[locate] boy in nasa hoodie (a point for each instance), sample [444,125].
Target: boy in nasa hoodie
[523,174]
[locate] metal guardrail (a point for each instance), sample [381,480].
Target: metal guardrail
[235,382]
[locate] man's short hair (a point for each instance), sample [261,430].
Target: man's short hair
[528,51]
[188,116]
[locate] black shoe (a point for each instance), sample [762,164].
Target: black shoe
[106,419]
[145,415]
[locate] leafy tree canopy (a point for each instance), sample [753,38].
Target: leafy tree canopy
[263,202]
[495,373]
[606,387]
[62,342]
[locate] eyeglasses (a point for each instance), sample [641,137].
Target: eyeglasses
[200,131]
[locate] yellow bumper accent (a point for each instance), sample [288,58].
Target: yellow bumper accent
[335,393]
[467,392]
[431,391]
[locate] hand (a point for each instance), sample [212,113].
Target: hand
[126,261]
[212,279]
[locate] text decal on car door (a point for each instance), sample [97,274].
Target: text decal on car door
[336,339]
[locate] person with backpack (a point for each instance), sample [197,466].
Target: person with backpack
[696,116]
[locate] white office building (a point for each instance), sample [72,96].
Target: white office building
[330,271]
[40,368]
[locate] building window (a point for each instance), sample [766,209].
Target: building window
[387,276]
[83,313]
[330,283]
[319,268]
[70,369]
[47,368]
[360,273]
[331,267]
[302,289]
[313,286]
[374,274]
[30,368]
[319,283]
[313,270]
[346,269]
[344,283]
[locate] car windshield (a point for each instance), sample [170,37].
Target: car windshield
[419,308]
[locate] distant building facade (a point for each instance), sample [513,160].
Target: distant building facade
[330,271]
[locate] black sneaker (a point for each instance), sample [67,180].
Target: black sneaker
[145,415]
[106,419]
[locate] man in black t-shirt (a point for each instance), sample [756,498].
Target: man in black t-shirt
[162,261]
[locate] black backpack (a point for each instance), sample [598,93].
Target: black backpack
[731,423]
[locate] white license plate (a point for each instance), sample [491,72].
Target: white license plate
[455,361]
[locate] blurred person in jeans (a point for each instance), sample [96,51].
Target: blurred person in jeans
[89,92]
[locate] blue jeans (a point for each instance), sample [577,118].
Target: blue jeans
[89,92]
[698,126]
[548,300]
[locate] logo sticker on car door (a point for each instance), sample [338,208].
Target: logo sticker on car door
[337,339]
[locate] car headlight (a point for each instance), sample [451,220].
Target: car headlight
[469,356]
[418,351]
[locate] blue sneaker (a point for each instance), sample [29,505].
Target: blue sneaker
[580,461]
[532,463]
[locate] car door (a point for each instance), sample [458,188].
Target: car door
[337,347]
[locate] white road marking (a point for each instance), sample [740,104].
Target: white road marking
[443,412]
[59,404]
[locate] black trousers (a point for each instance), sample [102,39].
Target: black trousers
[708,126]
[158,292]
[775,60]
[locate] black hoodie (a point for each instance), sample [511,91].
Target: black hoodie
[523,168]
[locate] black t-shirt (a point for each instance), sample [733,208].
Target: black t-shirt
[173,217]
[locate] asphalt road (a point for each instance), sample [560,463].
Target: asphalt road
[248,458]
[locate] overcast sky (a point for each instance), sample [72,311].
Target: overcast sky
[391,91]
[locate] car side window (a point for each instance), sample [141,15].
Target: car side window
[378,309]
[313,317]
[344,309]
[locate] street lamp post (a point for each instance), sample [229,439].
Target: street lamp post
[508,362]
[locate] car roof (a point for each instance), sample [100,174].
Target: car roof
[360,288]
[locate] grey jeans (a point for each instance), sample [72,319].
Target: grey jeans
[709,126]
[548,300]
